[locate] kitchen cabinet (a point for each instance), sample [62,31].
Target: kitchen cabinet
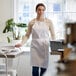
[70,33]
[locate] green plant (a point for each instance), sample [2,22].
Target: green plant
[11,26]
[8,39]
[21,25]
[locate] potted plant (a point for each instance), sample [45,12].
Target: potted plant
[13,27]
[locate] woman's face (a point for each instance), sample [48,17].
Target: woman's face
[40,10]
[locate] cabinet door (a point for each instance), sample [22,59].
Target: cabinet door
[71,36]
[74,33]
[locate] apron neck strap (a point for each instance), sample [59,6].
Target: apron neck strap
[39,20]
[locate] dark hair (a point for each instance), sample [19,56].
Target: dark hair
[40,4]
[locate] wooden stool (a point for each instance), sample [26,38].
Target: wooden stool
[67,52]
[64,53]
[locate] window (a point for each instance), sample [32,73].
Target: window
[25,11]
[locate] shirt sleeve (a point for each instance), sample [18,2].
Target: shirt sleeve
[51,28]
[27,35]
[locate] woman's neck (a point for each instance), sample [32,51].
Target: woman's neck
[40,18]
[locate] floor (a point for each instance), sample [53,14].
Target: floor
[67,68]
[54,69]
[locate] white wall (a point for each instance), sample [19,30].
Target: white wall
[70,8]
[6,12]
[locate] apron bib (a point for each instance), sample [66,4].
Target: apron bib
[40,44]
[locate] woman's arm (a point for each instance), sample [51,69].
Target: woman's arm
[52,32]
[27,35]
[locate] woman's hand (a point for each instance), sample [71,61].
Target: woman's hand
[18,45]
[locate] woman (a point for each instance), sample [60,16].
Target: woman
[39,27]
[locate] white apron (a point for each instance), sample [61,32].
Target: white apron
[40,45]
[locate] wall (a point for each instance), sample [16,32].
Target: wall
[6,12]
[70,8]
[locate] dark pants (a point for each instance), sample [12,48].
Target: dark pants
[35,71]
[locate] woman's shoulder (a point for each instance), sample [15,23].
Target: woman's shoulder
[48,20]
[32,22]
